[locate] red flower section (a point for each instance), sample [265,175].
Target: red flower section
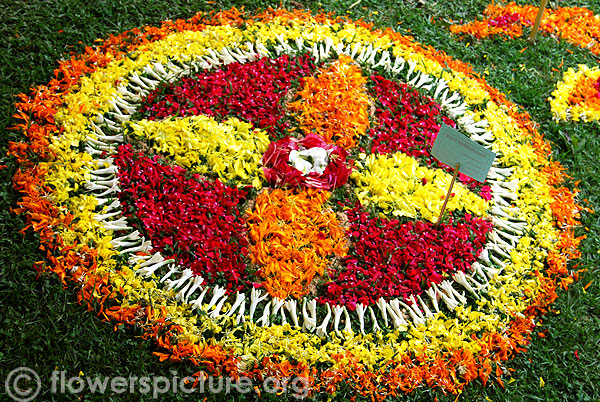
[388,259]
[252,92]
[195,221]
[505,20]
[279,172]
[409,122]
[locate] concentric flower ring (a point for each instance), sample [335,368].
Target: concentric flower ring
[83,187]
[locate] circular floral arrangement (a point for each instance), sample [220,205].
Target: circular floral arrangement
[257,194]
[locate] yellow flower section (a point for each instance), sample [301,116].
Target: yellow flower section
[398,185]
[311,32]
[232,149]
[67,173]
[576,97]
[292,238]
[189,46]
[334,104]
[146,292]
[373,349]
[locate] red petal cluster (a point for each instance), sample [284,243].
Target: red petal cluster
[407,120]
[389,259]
[252,92]
[195,221]
[279,172]
[505,20]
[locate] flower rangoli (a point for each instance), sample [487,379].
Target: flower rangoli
[257,193]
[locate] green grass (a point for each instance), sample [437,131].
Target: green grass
[44,329]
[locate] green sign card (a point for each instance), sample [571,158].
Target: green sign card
[451,147]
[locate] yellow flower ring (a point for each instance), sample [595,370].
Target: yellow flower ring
[84,131]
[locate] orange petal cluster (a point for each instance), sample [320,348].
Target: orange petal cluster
[292,236]
[334,104]
[585,93]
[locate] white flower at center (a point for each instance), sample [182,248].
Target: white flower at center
[310,160]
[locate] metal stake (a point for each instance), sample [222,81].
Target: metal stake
[439,221]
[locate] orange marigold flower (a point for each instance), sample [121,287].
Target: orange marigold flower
[292,236]
[334,104]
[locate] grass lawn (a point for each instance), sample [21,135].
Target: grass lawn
[41,326]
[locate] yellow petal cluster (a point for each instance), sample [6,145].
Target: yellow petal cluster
[398,185]
[231,149]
